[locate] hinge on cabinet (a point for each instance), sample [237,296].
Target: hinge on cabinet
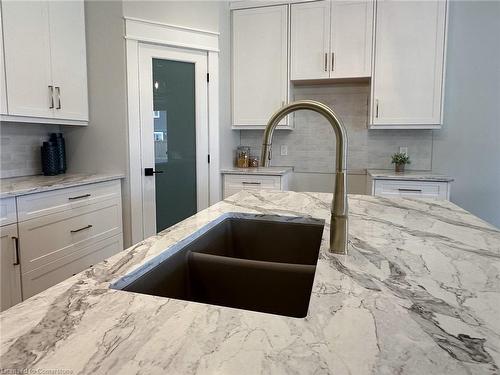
[208,158]
[208,77]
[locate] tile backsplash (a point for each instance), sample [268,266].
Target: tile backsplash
[311,145]
[20,148]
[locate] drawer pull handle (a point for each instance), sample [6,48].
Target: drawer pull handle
[411,190]
[79,197]
[79,230]
[251,183]
[16,251]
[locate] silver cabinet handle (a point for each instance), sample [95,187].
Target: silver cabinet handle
[326,62]
[58,90]
[80,229]
[51,93]
[16,251]
[411,190]
[333,61]
[376,108]
[251,183]
[79,197]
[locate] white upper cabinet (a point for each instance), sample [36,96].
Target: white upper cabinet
[331,39]
[45,61]
[407,79]
[3,87]
[69,62]
[310,40]
[259,64]
[27,58]
[351,39]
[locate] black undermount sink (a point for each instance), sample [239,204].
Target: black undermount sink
[260,263]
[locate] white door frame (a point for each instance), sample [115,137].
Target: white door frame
[141,31]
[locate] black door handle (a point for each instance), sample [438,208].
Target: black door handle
[150,172]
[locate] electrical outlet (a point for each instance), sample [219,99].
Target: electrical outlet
[403,149]
[284,150]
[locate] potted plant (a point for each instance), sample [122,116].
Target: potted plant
[400,159]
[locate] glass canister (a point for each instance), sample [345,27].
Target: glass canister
[242,156]
[253,162]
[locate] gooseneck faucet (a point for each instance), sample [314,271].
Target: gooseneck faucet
[339,221]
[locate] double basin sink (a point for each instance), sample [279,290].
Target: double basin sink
[261,263]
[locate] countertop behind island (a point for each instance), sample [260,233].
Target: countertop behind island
[419,292]
[16,186]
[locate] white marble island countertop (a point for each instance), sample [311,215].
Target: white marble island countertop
[419,293]
[16,186]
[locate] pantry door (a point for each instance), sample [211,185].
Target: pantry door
[174,131]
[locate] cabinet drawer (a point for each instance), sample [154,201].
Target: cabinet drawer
[235,183]
[423,189]
[50,274]
[252,182]
[46,239]
[40,204]
[8,213]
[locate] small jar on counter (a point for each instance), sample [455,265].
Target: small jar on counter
[253,162]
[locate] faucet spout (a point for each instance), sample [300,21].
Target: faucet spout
[339,217]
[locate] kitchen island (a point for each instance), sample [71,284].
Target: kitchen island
[418,293]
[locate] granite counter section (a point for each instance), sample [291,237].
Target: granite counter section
[419,293]
[12,187]
[383,174]
[263,171]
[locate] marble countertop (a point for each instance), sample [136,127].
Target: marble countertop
[268,171]
[418,293]
[384,174]
[12,187]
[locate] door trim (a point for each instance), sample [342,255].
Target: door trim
[168,36]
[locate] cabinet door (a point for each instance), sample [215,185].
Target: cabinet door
[310,40]
[351,38]
[69,59]
[409,58]
[10,276]
[260,74]
[27,58]
[3,87]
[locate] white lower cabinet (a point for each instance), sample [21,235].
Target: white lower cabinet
[10,278]
[63,232]
[409,188]
[47,275]
[58,234]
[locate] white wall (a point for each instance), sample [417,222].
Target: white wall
[468,146]
[229,138]
[202,15]
[102,146]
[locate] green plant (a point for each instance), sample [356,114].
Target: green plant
[400,158]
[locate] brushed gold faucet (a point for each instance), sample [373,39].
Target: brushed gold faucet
[339,220]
